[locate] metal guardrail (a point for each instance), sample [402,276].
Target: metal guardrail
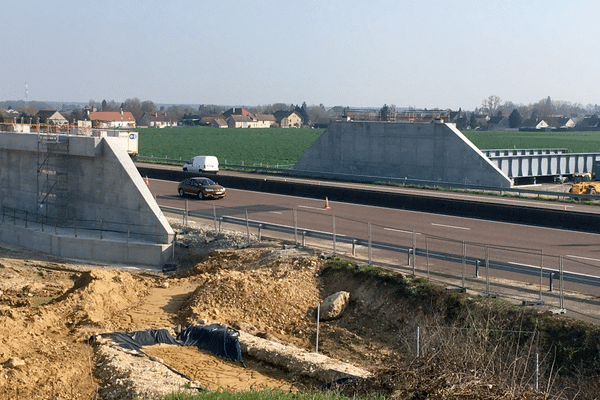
[524,269]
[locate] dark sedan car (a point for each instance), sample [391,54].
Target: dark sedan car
[201,187]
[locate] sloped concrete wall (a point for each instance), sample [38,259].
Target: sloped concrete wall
[417,151]
[103,185]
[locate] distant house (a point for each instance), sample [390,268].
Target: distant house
[591,122]
[239,121]
[480,120]
[264,121]
[533,124]
[112,119]
[157,120]
[51,117]
[498,123]
[206,120]
[288,119]
[560,122]
[218,123]
[459,118]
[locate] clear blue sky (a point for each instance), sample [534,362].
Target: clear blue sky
[425,54]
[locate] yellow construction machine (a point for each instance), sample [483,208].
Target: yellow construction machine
[583,184]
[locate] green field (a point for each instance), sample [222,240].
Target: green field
[269,146]
[284,147]
[575,142]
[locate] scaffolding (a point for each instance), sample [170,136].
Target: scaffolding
[52,175]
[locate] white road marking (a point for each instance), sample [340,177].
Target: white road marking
[584,258]
[450,226]
[400,230]
[275,212]
[525,265]
[312,208]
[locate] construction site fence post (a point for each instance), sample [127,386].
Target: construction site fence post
[318,320]
[295,216]
[464,263]
[418,342]
[215,217]
[186,214]
[537,372]
[487,270]
[562,284]
[427,256]
[247,226]
[541,273]
[414,252]
[370,248]
[334,239]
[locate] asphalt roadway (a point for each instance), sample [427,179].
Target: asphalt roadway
[401,226]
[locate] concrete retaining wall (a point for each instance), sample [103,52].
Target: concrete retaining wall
[86,248]
[103,184]
[417,151]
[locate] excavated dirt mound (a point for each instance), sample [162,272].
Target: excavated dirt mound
[236,286]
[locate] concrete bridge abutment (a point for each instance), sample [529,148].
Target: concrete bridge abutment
[79,197]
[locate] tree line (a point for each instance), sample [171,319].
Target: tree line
[490,106]
[27,111]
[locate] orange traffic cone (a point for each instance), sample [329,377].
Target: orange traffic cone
[147,181]
[327,204]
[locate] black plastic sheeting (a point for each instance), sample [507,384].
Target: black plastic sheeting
[138,339]
[216,339]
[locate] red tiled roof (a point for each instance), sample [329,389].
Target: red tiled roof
[111,116]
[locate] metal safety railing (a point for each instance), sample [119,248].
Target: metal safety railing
[526,275]
[98,229]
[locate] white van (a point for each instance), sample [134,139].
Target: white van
[202,164]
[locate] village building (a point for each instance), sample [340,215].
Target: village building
[51,117]
[157,120]
[560,122]
[498,123]
[239,121]
[112,119]
[265,121]
[288,119]
[218,123]
[533,124]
